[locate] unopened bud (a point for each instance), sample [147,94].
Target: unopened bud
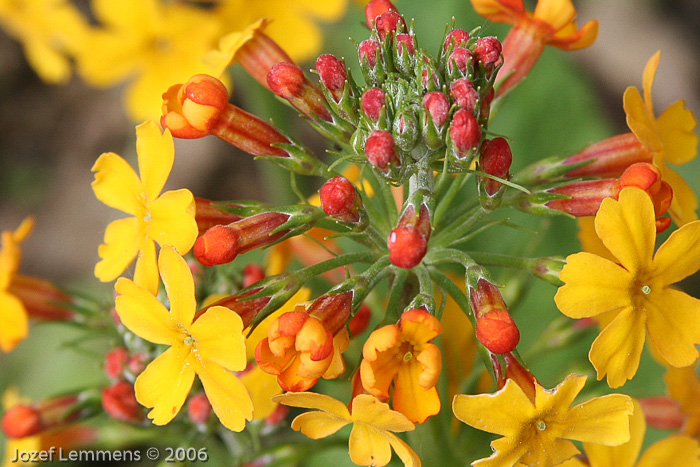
[405,44]
[332,310]
[339,199]
[456,38]
[521,375]
[662,412]
[465,133]
[199,409]
[119,402]
[252,273]
[388,24]
[359,322]
[459,61]
[372,102]
[438,107]
[495,328]
[380,149]
[288,81]
[333,74]
[464,94]
[405,131]
[209,213]
[115,362]
[370,54]
[21,421]
[376,8]
[407,247]
[488,52]
[495,159]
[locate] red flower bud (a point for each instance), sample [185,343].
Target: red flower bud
[333,74]
[119,401]
[339,199]
[488,52]
[368,51]
[662,412]
[372,102]
[495,159]
[464,94]
[459,57]
[405,42]
[407,247]
[376,8]
[198,408]
[359,322]
[252,273]
[246,309]
[465,132]
[288,81]
[387,23]
[438,107]
[380,149]
[21,421]
[115,362]
[208,214]
[497,331]
[457,37]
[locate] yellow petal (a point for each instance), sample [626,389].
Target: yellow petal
[683,386]
[368,446]
[370,410]
[179,285]
[407,455]
[684,205]
[146,269]
[506,451]
[627,228]
[165,383]
[172,220]
[219,337]
[556,13]
[675,127]
[559,399]
[317,425]
[648,79]
[673,325]
[592,286]
[589,239]
[639,120]
[15,324]
[504,412]
[261,387]
[625,454]
[679,256]
[143,314]
[312,400]
[324,10]
[123,239]
[410,398]
[227,395]
[674,450]
[496,11]
[618,348]
[156,154]
[603,420]
[116,184]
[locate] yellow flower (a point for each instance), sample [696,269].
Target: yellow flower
[373,426]
[211,347]
[670,139]
[683,386]
[538,433]
[635,293]
[13,314]
[166,218]
[149,42]
[49,31]
[674,450]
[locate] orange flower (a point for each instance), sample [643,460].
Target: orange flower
[552,23]
[404,352]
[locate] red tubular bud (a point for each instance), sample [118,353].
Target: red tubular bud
[407,247]
[207,214]
[438,107]
[585,196]
[662,412]
[464,94]
[288,81]
[21,421]
[119,401]
[495,328]
[465,133]
[222,243]
[521,375]
[333,74]
[259,53]
[380,149]
[610,157]
[372,102]
[376,8]
[405,44]
[457,37]
[495,159]
[367,51]
[333,311]
[115,362]
[339,199]
[199,409]
[460,57]
[246,309]
[358,324]
[388,23]
[252,273]
[488,52]
[41,298]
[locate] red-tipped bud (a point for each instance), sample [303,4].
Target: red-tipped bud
[199,409]
[41,298]
[208,214]
[119,401]
[496,330]
[459,59]
[372,102]
[407,247]
[358,324]
[332,310]
[246,309]
[368,50]
[376,8]
[488,52]
[339,199]
[115,362]
[333,74]
[192,110]
[388,23]
[405,44]
[380,149]
[495,159]
[465,133]
[609,157]
[438,107]
[288,81]
[21,421]
[662,412]
[252,273]
[584,196]
[222,243]
[457,38]
[464,94]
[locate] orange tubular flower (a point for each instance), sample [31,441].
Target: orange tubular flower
[552,23]
[404,352]
[304,345]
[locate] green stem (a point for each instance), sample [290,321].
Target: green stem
[392,307]
[445,201]
[546,268]
[459,227]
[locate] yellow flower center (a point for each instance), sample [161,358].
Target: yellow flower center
[189,340]
[541,425]
[645,289]
[407,351]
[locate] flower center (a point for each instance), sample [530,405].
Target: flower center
[189,340]
[541,425]
[646,290]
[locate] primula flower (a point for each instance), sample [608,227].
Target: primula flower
[539,432]
[373,426]
[674,450]
[552,23]
[211,346]
[13,314]
[166,218]
[634,292]
[404,352]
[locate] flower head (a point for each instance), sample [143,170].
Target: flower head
[538,433]
[211,346]
[13,314]
[635,292]
[163,218]
[373,426]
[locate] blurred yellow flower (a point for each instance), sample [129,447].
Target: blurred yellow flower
[634,292]
[13,314]
[211,347]
[166,218]
[538,433]
[373,426]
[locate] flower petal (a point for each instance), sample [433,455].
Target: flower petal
[261,387]
[639,120]
[684,203]
[165,383]
[419,326]
[589,239]
[317,425]
[602,420]
[312,400]
[679,256]
[368,446]
[683,386]
[674,450]
[172,220]
[556,13]
[407,455]
[506,451]
[673,323]
[410,398]
[179,285]
[500,11]
[219,337]
[675,126]
[122,241]
[625,454]
[618,348]
[156,154]
[116,184]
[370,410]
[143,314]
[648,79]
[592,286]
[627,228]
[228,396]
[15,324]
[146,269]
